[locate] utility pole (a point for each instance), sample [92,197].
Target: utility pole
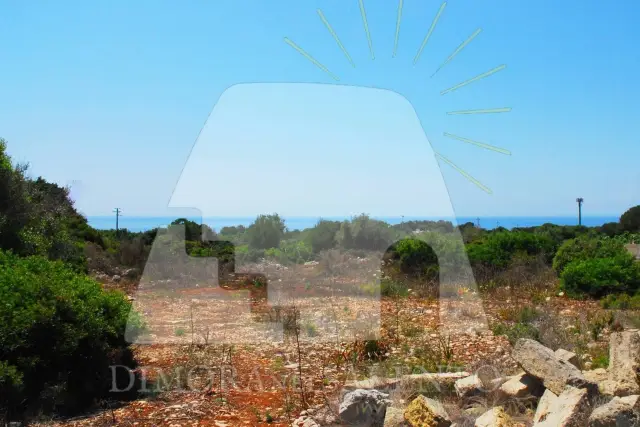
[579,200]
[118,212]
[478,221]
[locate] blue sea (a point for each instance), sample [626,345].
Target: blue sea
[300,223]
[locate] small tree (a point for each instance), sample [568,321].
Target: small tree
[630,220]
[266,232]
[323,235]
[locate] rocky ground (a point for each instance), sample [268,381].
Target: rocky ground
[550,391]
[417,371]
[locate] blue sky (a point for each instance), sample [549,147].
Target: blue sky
[111,96]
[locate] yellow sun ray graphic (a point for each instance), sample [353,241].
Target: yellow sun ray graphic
[335,36]
[458,49]
[366,28]
[424,43]
[398,20]
[482,111]
[426,38]
[474,79]
[464,173]
[310,58]
[478,144]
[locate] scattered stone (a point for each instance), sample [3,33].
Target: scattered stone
[394,417]
[547,399]
[131,273]
[567,356]
[468,387]
[569,409]
[601,377]
[619,412]
[423,381]
[494,417]
[116,278]
[425,412]
[541,362]
[624,363]
[475,411]
[305,422]
[366,408]
[522,385]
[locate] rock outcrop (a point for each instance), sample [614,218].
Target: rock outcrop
[624,363]
[619,412]
[569,409]
[541,362]
[366,408]
[521,386]
[567,356]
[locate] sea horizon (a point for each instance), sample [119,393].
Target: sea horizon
[145,223]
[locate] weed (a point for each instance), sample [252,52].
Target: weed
[600,359]
[311,329]
[268,418]
[597,323]
[516,331]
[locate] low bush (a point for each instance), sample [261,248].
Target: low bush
[499,249]
[245,254]
[413,257]
[621,302]
[392,288]
[516,331]
[598,277]
[586,247]
[59,335]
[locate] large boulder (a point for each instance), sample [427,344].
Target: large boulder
[425,412]
[624,363]
[541,362]
[364,408]
[494,417]
[569,409]
[520,386]
[619,412]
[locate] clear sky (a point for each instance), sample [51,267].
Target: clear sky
[111,97]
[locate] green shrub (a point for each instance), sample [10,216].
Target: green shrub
[392,288]
[413,257]
[630,220]
[323,235]
[621,302]
[266,232]
[296,252]
[370,234]
[59,333]
[586,247]
[598,277]
[246,254]
[498,249]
